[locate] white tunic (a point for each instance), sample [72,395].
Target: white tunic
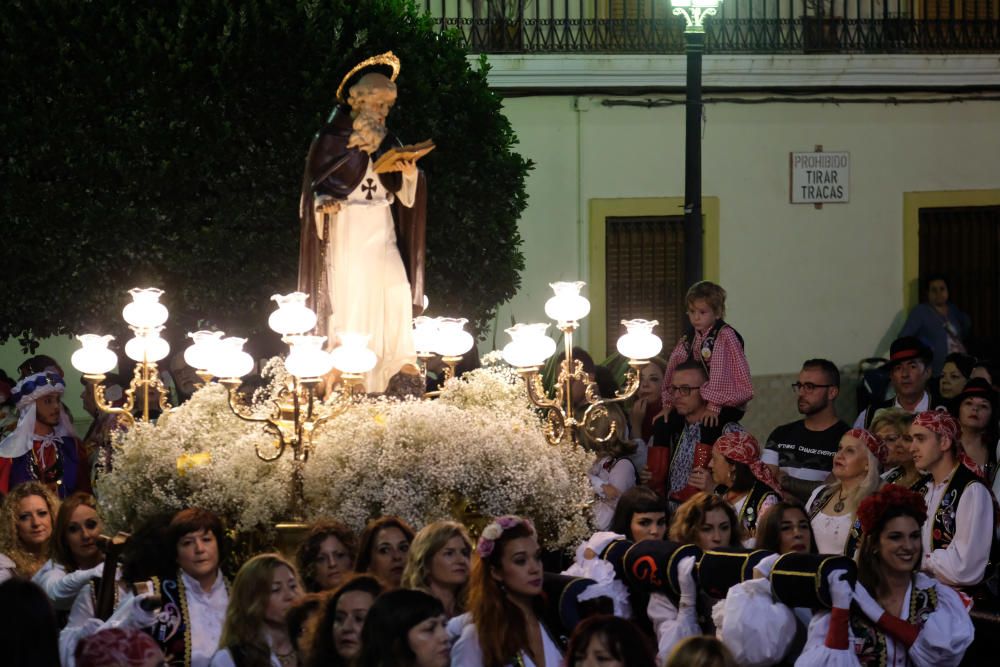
[369,291]
[466,651]
[621,476]
[62,587]
[942,642]
[964,561]
[670,624]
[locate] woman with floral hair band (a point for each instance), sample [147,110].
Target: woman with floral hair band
[894,615]
[744,481]
[857,467]
[503,626]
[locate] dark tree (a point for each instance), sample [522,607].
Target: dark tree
[162,143]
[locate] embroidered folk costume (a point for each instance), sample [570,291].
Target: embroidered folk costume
[742,447]
[55,458]
[720,351]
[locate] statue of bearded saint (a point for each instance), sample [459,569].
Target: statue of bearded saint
[361,254]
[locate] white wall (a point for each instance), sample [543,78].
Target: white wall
[802,282]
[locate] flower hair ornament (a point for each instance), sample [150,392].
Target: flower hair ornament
[874,507]
[493,532]
[873,443]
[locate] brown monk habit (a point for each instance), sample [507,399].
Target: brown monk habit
[333,169]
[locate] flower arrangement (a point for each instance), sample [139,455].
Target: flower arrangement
[479,445]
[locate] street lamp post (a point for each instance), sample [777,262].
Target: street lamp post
[694,12]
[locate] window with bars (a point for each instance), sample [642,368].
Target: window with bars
[644,275]
[963,243]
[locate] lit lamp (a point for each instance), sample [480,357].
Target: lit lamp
[145,315]
[292,316]
[353,358]
[425,333]
[530,347]
[202,352]
[452,342]
[694,12]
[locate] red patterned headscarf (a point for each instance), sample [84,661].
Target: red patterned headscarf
[116,647]
[873,443]
[941,423]
[742,447]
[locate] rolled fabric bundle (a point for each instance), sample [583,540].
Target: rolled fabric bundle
[651,565]
[721,569]
[563,610]
[800,580]
[614,553]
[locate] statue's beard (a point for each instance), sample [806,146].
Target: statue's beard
[369,131]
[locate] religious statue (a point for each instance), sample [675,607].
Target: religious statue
[363,222]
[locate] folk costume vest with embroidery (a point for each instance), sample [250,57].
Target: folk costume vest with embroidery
[870,643]
[920,486]
[855,533]
[750,512]
[704,355]
[947,511]
[172,627]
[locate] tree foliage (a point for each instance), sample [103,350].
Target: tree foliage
[163,144]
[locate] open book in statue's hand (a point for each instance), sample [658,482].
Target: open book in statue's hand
[412,152]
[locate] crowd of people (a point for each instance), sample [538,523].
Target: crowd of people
[833,543]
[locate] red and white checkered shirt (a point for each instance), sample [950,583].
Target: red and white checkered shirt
[728,371]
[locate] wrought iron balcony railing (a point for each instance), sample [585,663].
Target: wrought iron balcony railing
[742,26]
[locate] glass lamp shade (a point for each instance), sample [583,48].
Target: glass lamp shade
[529,346]
[293,316]
[145,311]
[147,346]
[639,342]
[307,358]
[452,339]
[353,355]
[568,305]
[230,361]
[206,344]
[425,333]
[94,357]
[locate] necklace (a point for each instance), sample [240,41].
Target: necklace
[839,505]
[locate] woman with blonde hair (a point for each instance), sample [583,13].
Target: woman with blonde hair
[701,652]
[890,425]
[832,507]
[76,557]
[26,530]
[438,563]
[255,633]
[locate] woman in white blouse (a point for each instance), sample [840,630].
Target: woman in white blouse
[900,616]
[856,471]
[76,558]
[503,626]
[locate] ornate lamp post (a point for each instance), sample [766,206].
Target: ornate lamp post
[530,347]
[694,12]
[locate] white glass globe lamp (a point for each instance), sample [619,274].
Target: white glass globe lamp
[307,359]
[352,356]
[230,361]
[145,311]
[529,346]
[94,357]
[425,333]
[147,346]
[452,339]
[568,305]
[293,316]
[639,343]
[206,345]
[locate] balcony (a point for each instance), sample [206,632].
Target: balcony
[741,26]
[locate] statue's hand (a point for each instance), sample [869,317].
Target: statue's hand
[327,205]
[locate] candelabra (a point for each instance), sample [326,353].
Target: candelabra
[444,336]
[530,347]
[145,316]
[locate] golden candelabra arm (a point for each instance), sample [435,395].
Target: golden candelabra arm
[274,423]
[449,366]
[97,387]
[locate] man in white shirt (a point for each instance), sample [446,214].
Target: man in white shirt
[959,527]
[909,371]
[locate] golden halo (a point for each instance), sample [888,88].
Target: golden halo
[388,58]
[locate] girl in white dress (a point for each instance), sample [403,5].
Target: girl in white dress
[503,626]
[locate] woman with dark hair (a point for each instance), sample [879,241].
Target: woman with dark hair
[28,631]
[641,514]
[26,530]
[608,641]
[405,628]
[76,558]
[956,371]
[385,544]
[503,626]
[895,615]
[975,408]
[786,529]
[743,480]
[438,564]
[326,556]
[335,639]
[300,617]
[937,322]
[255,633]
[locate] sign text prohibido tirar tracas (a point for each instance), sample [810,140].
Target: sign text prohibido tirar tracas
[820,178]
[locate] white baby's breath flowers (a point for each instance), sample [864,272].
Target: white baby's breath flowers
[480,442]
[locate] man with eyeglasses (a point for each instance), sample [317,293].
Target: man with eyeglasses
[910,364]
[801,453]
